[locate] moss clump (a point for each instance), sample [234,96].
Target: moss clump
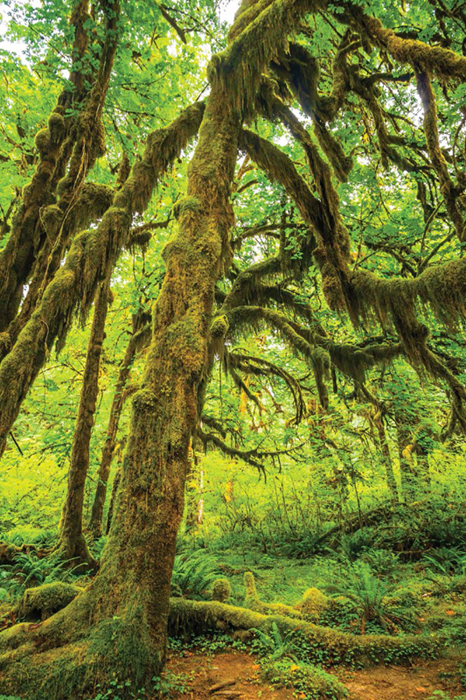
[250,585]
[42,141]
[308,681]
[43,601]
[219,327]
[313,604]
[51,218]
[221,590]
[185,205]
[56,127]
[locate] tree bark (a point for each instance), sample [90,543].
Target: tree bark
[118,627]
[138,338]
[72,543]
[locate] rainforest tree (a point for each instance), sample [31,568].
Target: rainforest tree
[324,206]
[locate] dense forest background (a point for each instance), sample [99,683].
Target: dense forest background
[232,300]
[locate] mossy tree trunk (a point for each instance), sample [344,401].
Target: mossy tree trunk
[72,543]
[387,460]
[111,505]
[121,619]
[117,628]
[95,522]
[41,230]
[27,235]
[91,256]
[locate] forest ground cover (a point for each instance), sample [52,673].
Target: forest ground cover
[403,576]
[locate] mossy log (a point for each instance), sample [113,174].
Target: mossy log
[43,601]
[60,657]
[189,617]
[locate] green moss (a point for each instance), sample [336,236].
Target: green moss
[56,127]
[221,590]
[250,585]
[185,205]
[42,141]
[43,601]
[313,604]
[308,681]
[321,644]
[219,327]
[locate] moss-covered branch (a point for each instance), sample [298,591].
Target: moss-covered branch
[435,59]
[77,140]
[91,255]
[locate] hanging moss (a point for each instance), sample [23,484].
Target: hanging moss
[74,285]
[258,36]
[340,162]
[332,254]
[449,191]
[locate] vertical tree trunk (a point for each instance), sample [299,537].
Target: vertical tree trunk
[72,543]
[387,460]
[111,505]
[139,336]
[403,438]
[118,627]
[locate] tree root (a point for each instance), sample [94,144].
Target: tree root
[8,552]
[77,651]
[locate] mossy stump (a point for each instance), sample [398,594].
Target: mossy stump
[221,590]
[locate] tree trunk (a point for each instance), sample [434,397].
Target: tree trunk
[387,460]
[90,258]
[127,605]
[117,628]
[138,338]
[111,505]
[72,543]
[404,439]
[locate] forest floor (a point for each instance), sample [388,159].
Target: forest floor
[233,675]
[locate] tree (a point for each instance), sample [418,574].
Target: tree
[347,72]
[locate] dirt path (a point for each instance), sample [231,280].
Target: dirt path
[241,670]
[236,676]
[399,683]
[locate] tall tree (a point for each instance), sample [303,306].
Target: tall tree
[273,59]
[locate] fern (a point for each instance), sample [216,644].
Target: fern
[193,574]
[370,597]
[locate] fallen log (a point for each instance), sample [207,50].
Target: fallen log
[323,644]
